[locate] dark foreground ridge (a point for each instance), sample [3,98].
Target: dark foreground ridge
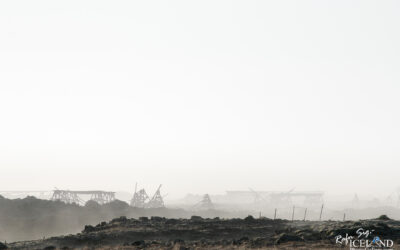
[216,233]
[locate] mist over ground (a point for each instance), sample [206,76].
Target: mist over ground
[31,218]
[206,96]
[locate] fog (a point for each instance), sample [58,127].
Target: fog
[202,97]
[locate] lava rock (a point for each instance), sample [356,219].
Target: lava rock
[138,243]
[249,219]
[49,248]
[285,237]
[143,219]
[89,229]
[383,217]
[156,218]
[196,218]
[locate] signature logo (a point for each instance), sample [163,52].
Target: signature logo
[362,239]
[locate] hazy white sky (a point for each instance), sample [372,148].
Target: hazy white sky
[201,96]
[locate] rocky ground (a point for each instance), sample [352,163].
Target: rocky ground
[199,233]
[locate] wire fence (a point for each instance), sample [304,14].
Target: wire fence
[302,213]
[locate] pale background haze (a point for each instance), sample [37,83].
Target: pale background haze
[201,96]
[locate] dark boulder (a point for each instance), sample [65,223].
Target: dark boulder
[249,219]
[49,248]
[143,219]
[138,243]
[383,217]
[157,218]
[196,218]
[286,237]
[121,219]
[89,229]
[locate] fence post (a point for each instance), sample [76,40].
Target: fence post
[320,215]
[293,214]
